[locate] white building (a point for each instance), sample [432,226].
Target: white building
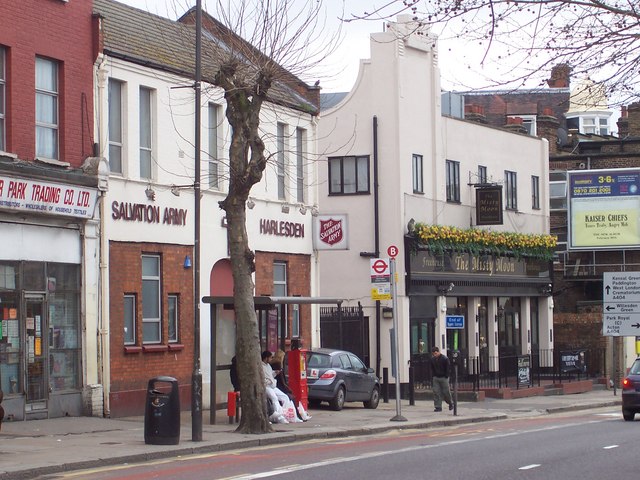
[145,124]
[392,160]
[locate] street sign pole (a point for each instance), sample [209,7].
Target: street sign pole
[394,296]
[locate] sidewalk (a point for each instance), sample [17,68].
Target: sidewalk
[38,447]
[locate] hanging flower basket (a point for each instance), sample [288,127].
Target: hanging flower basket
[439,239]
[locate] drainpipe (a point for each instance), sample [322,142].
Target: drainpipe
[376,232]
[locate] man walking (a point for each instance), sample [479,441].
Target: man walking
[440,380]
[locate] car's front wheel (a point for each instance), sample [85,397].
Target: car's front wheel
[338,401]
[628,415]
[372,403]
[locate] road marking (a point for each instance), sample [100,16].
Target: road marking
[609,447]
[529,467]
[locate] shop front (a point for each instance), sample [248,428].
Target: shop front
[46,232]
[489,308]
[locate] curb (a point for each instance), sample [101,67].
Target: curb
[277,438]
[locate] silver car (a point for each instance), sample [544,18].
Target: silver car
[336,376]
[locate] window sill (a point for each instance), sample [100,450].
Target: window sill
[53,161]
[132,349]
[8,155]
[175,347]
[154,348]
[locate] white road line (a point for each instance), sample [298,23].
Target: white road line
[609,447]
[529,467]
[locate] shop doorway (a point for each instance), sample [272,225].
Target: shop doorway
[36,347]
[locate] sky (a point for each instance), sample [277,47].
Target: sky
[339,71]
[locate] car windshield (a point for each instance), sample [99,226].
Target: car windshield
[318,360]
[635,368]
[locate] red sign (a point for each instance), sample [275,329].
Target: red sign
[380,266]
[330,231]
[392,251]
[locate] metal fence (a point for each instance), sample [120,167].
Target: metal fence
[542,367]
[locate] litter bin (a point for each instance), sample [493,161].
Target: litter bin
[162,412]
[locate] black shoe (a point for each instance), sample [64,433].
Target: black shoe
[451,406]
[437,409]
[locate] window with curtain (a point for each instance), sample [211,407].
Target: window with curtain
[46,108]
[151,325]
[348,175]
[172,317]
[115,126]
[146,151]
[453,181]
[280,159]
[3,82]
[301,136]
[214,164]
[129,319]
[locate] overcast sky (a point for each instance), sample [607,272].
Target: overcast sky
[341,69]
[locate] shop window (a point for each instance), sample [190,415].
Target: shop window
[348,175]
[129,319]
[46,108]
[63,285]
[172,317]
[10,334]
[151,331]
[33,276]
[115,125]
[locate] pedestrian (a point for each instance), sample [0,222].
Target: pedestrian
[233,374]
[440,380]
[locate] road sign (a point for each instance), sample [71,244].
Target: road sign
[380,279]
[455,321]
[621,304]
[392,251]
[379,267]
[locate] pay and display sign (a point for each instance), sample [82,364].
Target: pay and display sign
[621,304]
[380,279]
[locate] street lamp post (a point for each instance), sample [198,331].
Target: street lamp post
[196,378]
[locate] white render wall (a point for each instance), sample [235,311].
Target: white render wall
[400,86]
[173,152]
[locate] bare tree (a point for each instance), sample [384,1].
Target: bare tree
[254,52]
[521,39]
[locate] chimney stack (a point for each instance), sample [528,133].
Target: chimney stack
[547,127]
[560,76]
[475,113]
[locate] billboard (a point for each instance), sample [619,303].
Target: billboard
[603,209]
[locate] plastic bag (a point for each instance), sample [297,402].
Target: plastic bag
[303,413]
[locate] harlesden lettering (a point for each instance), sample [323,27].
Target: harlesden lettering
[282,228]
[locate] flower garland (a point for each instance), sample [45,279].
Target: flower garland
[441,238]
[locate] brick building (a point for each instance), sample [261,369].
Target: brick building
[146,128]
[49,188]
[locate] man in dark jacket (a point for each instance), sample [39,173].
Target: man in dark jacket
[440,380]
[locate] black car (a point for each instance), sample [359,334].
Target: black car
[336,376]
[631,392]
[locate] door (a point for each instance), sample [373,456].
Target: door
[36,348]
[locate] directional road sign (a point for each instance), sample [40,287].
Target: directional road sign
[621,304]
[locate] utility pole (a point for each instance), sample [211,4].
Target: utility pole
[196,378]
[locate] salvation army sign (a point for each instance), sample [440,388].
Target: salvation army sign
[330,232]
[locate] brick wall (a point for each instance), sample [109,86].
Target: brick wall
[132,367]
[61,31]
[298,284]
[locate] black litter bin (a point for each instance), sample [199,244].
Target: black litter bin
[162,412]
